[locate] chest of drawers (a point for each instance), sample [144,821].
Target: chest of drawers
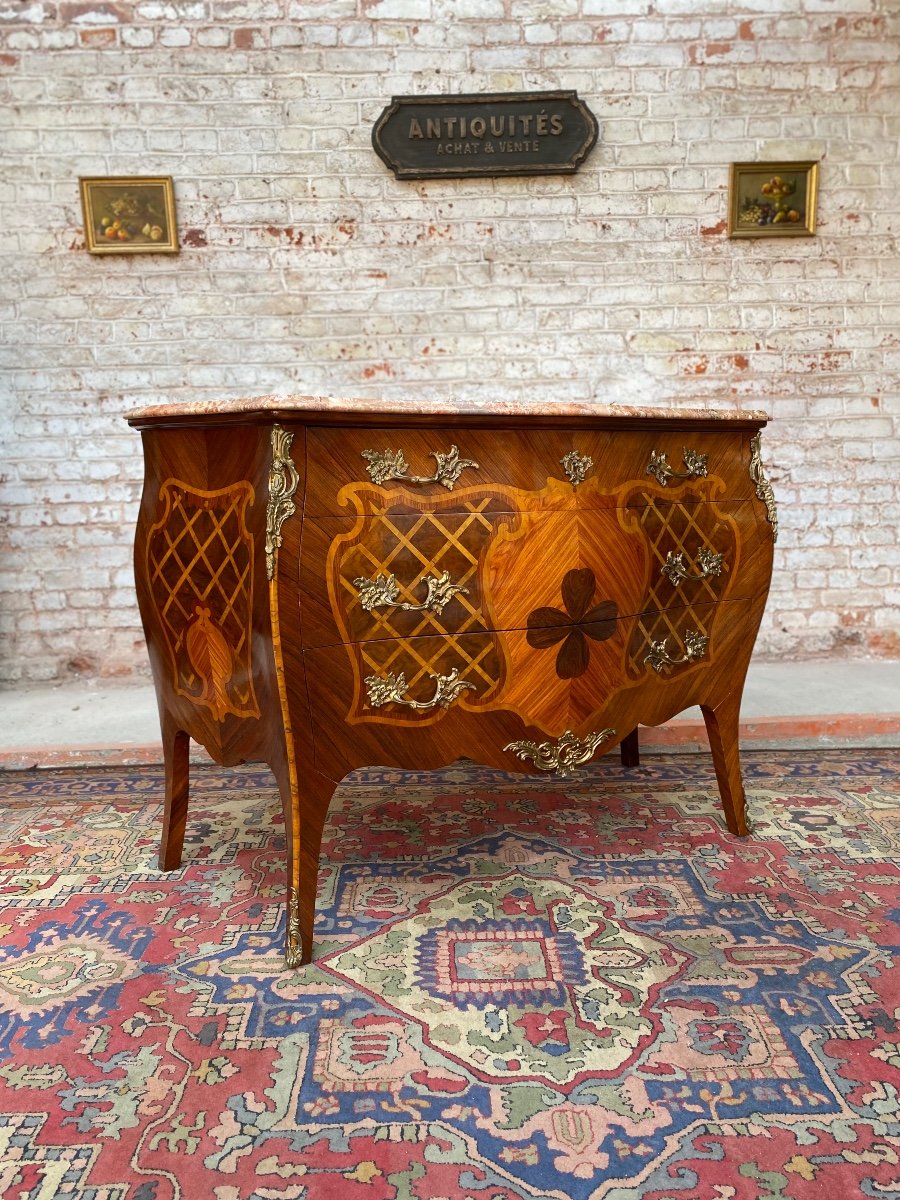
[326,585]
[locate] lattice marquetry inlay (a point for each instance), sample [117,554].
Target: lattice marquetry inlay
[671,626]
[200,571]
[686,525]
[475,659]
[413,547]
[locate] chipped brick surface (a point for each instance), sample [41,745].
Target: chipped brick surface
[306,267]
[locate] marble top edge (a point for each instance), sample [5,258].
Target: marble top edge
[513,408]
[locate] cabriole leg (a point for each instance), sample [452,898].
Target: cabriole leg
[176,756]
[305,808]
[722,729]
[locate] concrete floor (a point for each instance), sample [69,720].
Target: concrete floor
[801,704]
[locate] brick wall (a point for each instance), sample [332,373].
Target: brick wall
[306,267]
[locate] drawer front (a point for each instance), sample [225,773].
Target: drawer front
[437,688]
[429,465]
[358,573]
[402,574]
[700,551]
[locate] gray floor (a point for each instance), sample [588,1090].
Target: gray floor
[103,714]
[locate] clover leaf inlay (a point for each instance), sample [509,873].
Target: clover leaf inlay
[573,627]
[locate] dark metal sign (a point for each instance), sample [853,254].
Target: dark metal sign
[451,137]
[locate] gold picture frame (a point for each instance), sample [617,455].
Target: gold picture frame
[129,214]
[772,199]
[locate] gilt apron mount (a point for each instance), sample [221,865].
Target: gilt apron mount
[511,133]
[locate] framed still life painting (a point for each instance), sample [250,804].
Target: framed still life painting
[775,199]
[129,215]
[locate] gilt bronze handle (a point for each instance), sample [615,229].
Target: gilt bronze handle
[389,689]
[709,565]
[383,592]
[694,464]
[390,464]
[562,756]
[694,648]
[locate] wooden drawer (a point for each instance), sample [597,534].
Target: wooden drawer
[489,569]
[488,674]
[338,459]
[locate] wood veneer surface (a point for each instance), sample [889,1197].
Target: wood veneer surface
[564,614]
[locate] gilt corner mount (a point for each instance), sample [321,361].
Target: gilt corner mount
[510,133]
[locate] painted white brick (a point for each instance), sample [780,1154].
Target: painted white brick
[406,10]
[307,266]
[616,8]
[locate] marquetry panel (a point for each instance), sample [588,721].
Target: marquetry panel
[687,526]
[393,556]
[504,672]
[474,659]
[674,628]
[501,560]
[510,673]
[199,568]
[563,680]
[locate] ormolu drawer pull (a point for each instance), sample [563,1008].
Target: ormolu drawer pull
[383,590]
[389,689]
[694,647]
[694,463]
[709,565]
[576,466]
[390,464]
[562,756]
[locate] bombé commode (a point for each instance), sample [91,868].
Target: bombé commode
[330,584]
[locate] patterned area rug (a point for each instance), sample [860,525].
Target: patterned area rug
[522,990]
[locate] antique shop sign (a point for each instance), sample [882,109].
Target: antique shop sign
[450,137]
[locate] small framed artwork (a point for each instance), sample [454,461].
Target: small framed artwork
[129,215]
[775,199]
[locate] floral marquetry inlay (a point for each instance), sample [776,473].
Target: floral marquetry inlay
[573,627]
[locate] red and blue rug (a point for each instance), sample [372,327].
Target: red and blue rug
[523,989]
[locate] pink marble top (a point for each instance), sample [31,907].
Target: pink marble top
[514,408]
